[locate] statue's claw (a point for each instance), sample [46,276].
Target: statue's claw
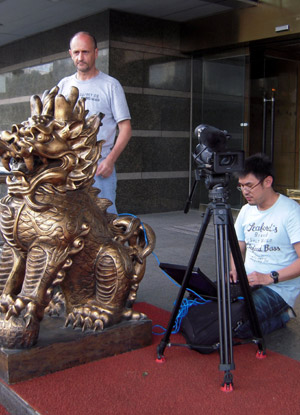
[78,321]
[15,308]
[12,311]
[25,307]
[56,305]
[89,317]
[28,319]
[69,320]
[98,325]
[93,317]
[88,323]
[5,302]
[21,303]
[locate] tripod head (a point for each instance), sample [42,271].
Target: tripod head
[216,183]
[217,186]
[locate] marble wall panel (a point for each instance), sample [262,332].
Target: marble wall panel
[155,154]
[149,70]
[23,82]
[166,154]
[127,66]
[167,72]
[145,111]
[152,112]
[152,195]
[131,160]
[54,41]
[144,30]
[175,114]
[13,114]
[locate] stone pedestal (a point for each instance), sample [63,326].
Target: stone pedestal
[60,348]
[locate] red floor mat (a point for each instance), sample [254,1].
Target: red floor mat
[187,383]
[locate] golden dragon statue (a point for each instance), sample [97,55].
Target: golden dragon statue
[57,233]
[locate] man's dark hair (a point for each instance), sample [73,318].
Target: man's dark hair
[84,33]
[259,165]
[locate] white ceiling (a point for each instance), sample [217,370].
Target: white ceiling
[23,18]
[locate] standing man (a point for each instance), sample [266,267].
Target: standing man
[103,94]
[268,231]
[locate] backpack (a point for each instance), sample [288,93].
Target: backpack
[200,327]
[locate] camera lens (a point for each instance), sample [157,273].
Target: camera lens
[226,161]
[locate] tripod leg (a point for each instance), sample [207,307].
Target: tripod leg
[162,345]
[250,307]
[224,303]
[227,385]
[189,201]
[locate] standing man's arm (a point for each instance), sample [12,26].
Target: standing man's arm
[106,167]
[233,271]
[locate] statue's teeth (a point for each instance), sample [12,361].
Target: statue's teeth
[5,163]
[29,162]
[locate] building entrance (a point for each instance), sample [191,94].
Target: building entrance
[254,94]
[274,111]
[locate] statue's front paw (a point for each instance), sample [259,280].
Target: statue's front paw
[130,314]
[17,333]
[56,306]
[19,324]
[25,308]
[90,317]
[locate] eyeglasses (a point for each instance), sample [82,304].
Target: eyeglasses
[249,188]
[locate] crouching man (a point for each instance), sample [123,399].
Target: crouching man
[268,231]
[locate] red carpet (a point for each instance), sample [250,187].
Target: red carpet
[3,411]
[187,383]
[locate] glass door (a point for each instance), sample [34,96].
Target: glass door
[220,100]
[273,117]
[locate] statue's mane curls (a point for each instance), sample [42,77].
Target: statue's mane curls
[60,136]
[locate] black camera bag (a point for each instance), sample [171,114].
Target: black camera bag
[200,327]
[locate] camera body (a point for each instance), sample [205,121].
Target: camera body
[210,154]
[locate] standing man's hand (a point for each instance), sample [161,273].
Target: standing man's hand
[105,168]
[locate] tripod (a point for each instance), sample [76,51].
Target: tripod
[225,238]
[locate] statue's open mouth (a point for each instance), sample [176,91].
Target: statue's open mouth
[21,166]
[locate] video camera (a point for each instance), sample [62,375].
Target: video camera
[211,155]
